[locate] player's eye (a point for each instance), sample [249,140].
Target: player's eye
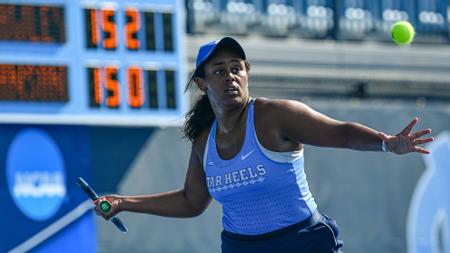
[235,70]
[218,72]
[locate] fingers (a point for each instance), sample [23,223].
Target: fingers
[421,150]
[409,127]
[98,212]
[420,133]
[418,141]
[422,141]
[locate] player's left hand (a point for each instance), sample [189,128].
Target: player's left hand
[405,141]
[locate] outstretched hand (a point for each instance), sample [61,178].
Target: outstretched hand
[405,141]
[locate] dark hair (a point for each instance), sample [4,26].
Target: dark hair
[201,114]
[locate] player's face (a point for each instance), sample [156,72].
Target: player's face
[226,79]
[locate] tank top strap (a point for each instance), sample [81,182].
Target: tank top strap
[250,133]
[212,150]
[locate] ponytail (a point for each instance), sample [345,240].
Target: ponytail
[198,118]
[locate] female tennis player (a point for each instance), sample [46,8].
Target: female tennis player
[247,153]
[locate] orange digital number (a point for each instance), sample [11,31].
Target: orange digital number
[112,87]
[109,29]
[132,27]
[98,91]
[93,28]
[135,87]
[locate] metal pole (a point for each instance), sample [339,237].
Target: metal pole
[335,30]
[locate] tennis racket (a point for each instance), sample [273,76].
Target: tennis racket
[105,206]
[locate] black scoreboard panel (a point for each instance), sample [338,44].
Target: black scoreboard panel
[88,61]
[33,83]
[30,23]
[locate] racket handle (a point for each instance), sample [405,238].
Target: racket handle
[105,206]
[119,224]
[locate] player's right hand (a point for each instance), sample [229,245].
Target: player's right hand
[114,200]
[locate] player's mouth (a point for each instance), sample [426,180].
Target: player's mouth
[232,90]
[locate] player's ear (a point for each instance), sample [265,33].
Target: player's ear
[200,83]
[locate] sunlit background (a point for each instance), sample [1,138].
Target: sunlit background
[95,89]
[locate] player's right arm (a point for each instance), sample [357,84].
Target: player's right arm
[189,201]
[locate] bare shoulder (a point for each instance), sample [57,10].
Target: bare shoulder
[276,114]
[279,107]
[273,118]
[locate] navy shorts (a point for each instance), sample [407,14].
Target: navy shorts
[318,234]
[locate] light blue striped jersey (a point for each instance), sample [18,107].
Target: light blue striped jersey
[260,190]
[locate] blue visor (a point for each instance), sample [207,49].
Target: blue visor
[207,50]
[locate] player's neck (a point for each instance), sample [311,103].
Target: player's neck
[228,121]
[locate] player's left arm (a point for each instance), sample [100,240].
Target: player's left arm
[299,122]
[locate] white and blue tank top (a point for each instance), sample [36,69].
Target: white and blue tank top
[260,190]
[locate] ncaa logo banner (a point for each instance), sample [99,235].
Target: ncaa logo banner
[40,202]
[36,174]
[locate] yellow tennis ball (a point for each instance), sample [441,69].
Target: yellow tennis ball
[402,32]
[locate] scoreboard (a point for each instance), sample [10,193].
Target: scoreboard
[116,62]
